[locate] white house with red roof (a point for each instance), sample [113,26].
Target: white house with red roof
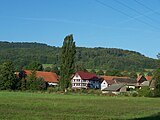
[85,80]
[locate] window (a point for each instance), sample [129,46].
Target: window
[78,80]
[83,80]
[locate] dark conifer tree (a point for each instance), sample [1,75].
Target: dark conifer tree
[7,76]
[67,62]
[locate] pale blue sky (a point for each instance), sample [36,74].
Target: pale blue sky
[126,24]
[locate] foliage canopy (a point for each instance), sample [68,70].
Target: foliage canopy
[22,54]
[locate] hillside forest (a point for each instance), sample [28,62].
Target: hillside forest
[22,54]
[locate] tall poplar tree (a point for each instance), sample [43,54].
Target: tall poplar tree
[67,61]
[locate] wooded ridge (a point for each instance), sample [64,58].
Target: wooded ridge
[21,54]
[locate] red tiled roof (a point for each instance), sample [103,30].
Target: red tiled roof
[47,76]
[86,75]
[148,78]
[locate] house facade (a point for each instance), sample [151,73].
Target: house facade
[85,80]
[104,85]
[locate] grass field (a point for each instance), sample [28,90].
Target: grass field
[44,106]
[47,65]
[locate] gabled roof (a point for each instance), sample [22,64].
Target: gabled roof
[125,80]
[141,79]
[110,82]
[114,87]
[47,76]
[86,75]
[106,78]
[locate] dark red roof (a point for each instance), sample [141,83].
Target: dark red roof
[86,75]
[47,76]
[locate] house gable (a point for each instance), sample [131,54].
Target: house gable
[141,79]
[76,76]
[104,85]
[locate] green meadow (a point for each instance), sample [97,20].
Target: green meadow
[45,106]
[47,65]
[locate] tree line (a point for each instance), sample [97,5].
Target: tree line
[22,54]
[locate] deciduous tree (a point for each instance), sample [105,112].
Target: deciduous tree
[35,66]
[67,61]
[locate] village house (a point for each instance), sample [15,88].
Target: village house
[143,81]
[107,81]
[114,84]
[129,82]
[115,89]
[49,77]
[85,80]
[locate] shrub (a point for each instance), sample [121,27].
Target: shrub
[53,89]
[134,94]
[144,91]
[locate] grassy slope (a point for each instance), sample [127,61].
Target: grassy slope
[36,106]
[47,65]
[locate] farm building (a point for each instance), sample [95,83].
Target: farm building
[49,77]
[115,89]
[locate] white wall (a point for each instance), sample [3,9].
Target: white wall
[104,85]
[52,84]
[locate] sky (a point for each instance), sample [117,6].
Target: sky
[125,24]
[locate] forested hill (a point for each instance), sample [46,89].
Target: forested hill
[92,58]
